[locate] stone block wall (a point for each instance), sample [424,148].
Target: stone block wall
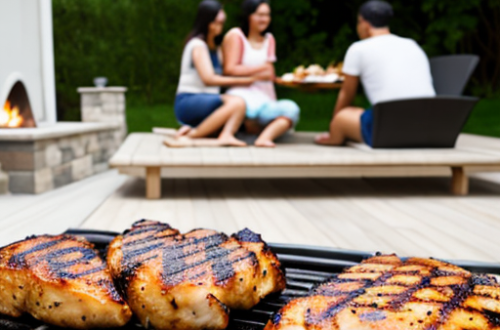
[38,166]
[105,105]
[4,182]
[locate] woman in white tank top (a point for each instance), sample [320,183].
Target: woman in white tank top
[251,51]
[198,104]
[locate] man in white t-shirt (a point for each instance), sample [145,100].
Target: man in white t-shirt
[389,67]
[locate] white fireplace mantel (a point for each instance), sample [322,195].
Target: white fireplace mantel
[27,55]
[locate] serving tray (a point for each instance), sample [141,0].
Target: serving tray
[309,86]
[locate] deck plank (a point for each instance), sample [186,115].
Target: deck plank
[406,216]
[297,150]
[123,157]
[148,151]
[55,211]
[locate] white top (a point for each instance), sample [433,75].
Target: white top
[390,68]
[259,92]
[190,80]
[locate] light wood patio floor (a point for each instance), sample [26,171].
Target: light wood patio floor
[409,216]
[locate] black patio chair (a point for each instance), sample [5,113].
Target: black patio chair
[452,73]
[421,123]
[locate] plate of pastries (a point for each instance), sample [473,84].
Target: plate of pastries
[314,74]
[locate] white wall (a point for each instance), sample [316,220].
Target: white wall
[26,54]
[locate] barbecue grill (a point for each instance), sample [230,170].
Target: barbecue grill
[305,267]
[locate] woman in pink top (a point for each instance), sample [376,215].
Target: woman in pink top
[251,51]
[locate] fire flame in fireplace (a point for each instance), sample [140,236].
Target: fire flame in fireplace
[10,116]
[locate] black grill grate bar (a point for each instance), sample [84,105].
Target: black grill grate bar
[307,278]
[273,304]
[289,293]
[257,311]
[240,324]
[297,272]
[330,264]
[299,285]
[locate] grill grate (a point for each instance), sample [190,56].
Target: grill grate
[305,268]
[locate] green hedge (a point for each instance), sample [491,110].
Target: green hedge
[138,43]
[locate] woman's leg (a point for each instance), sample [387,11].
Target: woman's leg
[275,129]
[229,116]
[285,114]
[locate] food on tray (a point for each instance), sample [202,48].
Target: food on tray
[337,69]
[188,281]
[315,70]
[300,72]
[288,77]
[385,292]
[315,73]
[60,280]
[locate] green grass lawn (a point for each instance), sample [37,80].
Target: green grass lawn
[316,111]
[485,119]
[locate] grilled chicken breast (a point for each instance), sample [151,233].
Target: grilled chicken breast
[386,293]
[176,281]
[62,281]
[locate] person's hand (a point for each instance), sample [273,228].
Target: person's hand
[323,139]
[263,76]
[249,81]
[267,73]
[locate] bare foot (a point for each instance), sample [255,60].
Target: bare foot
[183,131]
[230,140]
[265,144]
[323,139]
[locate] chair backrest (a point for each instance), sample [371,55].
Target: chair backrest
[451,73]
[421,123]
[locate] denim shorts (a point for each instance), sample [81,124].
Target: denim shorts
[193,109]
[367,126]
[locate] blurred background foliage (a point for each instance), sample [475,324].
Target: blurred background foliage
[138,44]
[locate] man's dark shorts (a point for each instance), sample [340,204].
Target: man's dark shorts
[367,126]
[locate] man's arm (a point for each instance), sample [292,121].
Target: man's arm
[347,93]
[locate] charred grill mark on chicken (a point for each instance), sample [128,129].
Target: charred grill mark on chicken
[385,292]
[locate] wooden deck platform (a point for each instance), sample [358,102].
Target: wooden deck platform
[297,157]
[409,216]
[55,211]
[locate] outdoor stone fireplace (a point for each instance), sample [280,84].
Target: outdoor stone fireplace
[41,159]
[104,105]
[16,112]
[37,153]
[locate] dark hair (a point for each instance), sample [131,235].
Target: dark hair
[207,12]
[248,8]
[378,13]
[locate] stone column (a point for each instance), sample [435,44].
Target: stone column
[4,182]
[104,104]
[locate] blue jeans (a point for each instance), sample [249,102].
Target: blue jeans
[193,109]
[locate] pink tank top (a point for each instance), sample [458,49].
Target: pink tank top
[260,92]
